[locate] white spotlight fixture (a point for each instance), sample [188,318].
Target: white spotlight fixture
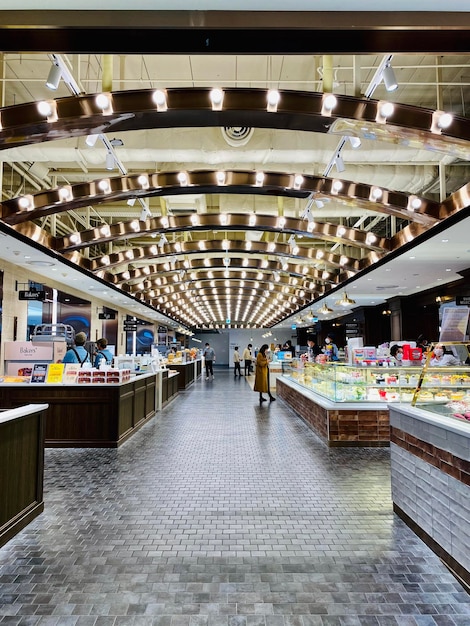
[91,140]
[328,104]
[440,121]
[109,161]
[384,111]
[53,80]
[259,179]
[389,78]
[355,142]
[217,99]
[103,102]
[131,201]
[159,97]
[273,100]
[339,164]
[298,181]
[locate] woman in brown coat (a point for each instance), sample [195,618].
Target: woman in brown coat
[262,375]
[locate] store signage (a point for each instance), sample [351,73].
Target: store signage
[462,300]
[107,316]
[130,326]
[32,294]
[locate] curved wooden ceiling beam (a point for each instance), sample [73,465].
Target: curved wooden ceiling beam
[122,188]
[86,114]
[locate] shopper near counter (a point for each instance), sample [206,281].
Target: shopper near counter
[330,348]
[396,352]
[248,359]
[312,349]
[209,358]
[78,353]
[262,374]
[236,363]
[441,358]
[423,343]
[288,347]
[103,355]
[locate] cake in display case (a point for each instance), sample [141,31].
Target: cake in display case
[340,382]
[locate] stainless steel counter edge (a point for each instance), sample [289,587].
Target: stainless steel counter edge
[12,414]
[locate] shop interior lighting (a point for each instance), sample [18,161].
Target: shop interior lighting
[217,99]
[53,79]
[339,164]
[159,97]
[345,301]
[109,161]
[389,78]
[273,100]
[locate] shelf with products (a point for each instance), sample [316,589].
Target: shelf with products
[340,382]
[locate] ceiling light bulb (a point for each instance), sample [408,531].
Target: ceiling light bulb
[252,219]
[384,111]
[298,181]
[336,186]
[103,185]
[217,99]
[441,121]
[143,181]
[375,193]
[183,179]
[159,97]
[104,103]
[44,108]
[328,104]
[220,178]
[273,100]
[259,178]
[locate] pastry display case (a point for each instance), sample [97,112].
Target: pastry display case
[340,382]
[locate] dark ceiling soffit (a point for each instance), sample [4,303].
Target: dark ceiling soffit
[210,32]
[72,265]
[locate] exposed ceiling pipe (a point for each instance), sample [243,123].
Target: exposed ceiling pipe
[107,77]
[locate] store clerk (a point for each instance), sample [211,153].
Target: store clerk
[441,357]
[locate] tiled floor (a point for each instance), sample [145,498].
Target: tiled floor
[220,512]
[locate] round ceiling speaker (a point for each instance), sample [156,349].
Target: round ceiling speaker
[237,135]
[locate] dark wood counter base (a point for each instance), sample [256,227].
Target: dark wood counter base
[88,416]
[21,472]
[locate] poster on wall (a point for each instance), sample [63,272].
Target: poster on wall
[454,324]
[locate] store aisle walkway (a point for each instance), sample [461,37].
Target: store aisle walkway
[220,512]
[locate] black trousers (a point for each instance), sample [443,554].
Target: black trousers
[237,368]
[247,366]
[209,370]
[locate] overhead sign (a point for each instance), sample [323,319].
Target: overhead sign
[32,294]
[462,300]
[130,325]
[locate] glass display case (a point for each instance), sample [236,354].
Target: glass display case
[340,382]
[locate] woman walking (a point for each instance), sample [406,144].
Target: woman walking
[262,375]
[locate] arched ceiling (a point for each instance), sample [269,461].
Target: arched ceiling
[237,210]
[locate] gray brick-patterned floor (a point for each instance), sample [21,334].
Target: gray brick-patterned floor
[220,512]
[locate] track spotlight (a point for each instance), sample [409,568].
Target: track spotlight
[354,141]
[109,161]
[389,78]
[53,80]
[131,201]
[91,140]
[339,164]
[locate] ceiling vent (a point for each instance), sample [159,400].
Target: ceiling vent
[237,135]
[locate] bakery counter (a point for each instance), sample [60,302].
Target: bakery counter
[430,469]
[21,467]
[187,372]
[101,415]
[337,423]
